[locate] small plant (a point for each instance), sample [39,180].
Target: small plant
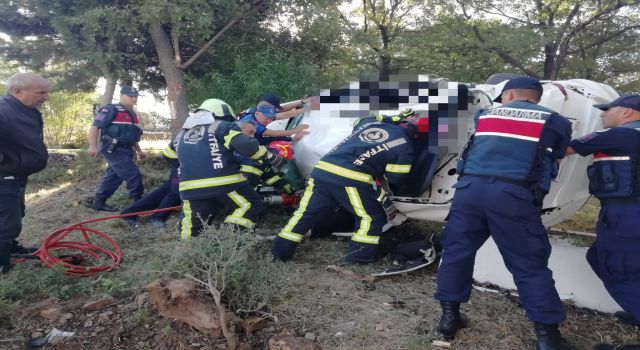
[138,316]
[230,265]
[240,267]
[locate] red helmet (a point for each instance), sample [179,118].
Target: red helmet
[284,149]
[418,125]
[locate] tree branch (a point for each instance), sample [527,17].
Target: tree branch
[503,54]
[502,13]
[215,38]
[352,29]
[175,42]
[567,22]
[603,40]
[600,14]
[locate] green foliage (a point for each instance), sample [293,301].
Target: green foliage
[557,39]
[25,284]
[67,117]
[138,316]
[257,72]
[6,70]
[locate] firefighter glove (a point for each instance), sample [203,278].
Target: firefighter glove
[407,112]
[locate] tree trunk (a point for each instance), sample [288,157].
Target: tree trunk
[550,61]
[385,67]
[385,55]
[173,75]
[109,88]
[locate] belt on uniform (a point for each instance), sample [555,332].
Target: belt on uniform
[525,184]
[622,200]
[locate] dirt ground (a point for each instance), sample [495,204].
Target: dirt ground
[336,312]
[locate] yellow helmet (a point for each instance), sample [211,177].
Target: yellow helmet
[219,108]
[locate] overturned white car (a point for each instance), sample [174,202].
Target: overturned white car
[451,108]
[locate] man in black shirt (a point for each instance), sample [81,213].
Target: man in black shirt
[22,153]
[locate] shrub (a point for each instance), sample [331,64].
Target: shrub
[241,268]
[67,117]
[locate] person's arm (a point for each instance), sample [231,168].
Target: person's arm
[238,142]
[290,109]
[599,141]
[94,132]
[4,131]
[293,104]
[139,152]
[4,126]
[299,130]
[290,113]
[104,117]
[398,169]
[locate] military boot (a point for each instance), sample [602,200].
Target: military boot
[452,320]
[549,337]
[100,205]
[627,318]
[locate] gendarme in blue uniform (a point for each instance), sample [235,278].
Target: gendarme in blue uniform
[506,171]
[346,176]
[117,122]
[615,180]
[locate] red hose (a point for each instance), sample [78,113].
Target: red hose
[56,242]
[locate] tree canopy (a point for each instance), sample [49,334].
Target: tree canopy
[239,49]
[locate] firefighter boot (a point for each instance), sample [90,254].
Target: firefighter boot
[452,320]
[549,337]
[282,249]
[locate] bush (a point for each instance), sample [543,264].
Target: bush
[241,268]
[67,117]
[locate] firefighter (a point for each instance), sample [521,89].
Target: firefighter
[210,172]
[614,178]
[505,172]
[120,133]
[345,176]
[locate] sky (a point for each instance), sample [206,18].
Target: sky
[146,102]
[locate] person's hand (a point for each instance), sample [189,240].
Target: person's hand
[289,189]
[301,128]
[142,155]
[298,136]
[93,151]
